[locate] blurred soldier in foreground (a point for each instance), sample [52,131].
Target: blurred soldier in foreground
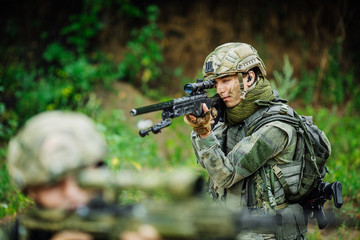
[43,160]
[55,159]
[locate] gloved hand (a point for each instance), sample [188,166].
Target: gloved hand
[201,125]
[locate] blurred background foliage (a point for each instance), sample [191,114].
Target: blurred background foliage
[56,55]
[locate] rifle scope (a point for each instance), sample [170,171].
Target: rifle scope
[198,86]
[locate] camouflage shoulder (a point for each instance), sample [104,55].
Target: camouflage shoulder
[288,129]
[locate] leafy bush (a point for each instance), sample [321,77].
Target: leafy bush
[70,68]
[284,82]
[332,85]
[142,64]
[12,201]
[84,26]
[124,144]
[338,82]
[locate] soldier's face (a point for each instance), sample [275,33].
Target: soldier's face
[66,195]
[229,90]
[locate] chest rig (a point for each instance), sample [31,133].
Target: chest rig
[275,182]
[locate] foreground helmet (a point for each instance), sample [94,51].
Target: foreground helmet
[51,145]
[232,58]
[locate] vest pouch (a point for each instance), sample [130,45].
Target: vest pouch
[288,174]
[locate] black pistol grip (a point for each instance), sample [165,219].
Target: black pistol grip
[320,217]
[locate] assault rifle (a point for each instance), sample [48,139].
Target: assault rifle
[191,104]
[191,218]
[314,204]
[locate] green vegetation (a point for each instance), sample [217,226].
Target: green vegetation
[69,69]
[65,75]
[12,201]
[333,85]
[284,82]
[141,65]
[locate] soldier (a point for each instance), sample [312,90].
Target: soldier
[239,164]
[43,160]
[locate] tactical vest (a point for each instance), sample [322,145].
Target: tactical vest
[294,223]
[234,135]
[288,182]
[313,149]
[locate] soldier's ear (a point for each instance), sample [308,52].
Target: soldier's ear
[251,78]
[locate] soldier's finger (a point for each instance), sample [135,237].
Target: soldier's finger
[205,108]
[192,117]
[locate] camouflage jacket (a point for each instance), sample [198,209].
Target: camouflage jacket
[229,156]
[232,159]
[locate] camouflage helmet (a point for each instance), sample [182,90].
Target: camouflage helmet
[232,58]
[51,145]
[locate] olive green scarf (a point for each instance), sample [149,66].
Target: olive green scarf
[247,106]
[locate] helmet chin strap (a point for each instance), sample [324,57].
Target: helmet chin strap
[244,92]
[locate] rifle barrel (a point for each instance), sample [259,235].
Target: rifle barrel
[168,104]
[151,108]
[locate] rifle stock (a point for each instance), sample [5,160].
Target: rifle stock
[314,204]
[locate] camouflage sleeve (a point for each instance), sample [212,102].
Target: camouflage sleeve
[245,158]
[218,132]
